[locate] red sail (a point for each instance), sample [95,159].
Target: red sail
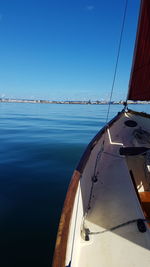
[139,87]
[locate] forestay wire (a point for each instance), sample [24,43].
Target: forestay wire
[111,93]
[117,59]
[112,88]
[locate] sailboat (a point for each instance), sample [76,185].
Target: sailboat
[105,221]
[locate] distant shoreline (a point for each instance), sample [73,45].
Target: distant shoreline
[89,102]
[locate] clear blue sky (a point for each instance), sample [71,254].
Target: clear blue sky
[65,49]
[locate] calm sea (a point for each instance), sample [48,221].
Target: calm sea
[40,145]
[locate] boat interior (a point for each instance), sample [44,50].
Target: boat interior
[113,194]
[139,167]
[132,145]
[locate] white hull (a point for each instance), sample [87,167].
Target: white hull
[106,197]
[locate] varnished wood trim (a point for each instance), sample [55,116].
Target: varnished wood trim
[63,230]
[142,114]
[145,202]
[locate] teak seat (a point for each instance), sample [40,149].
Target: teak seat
[145,201]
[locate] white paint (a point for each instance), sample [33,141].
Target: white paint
[114,202]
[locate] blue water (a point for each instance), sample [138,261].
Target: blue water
[41,145]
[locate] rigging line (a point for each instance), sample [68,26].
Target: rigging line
[119,226]
[94,179]
[117,59]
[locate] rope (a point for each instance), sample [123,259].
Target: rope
[118,226]
[117,59]
[94,178]
[113,83]
[100,151]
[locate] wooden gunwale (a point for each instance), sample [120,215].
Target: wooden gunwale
[63,229]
